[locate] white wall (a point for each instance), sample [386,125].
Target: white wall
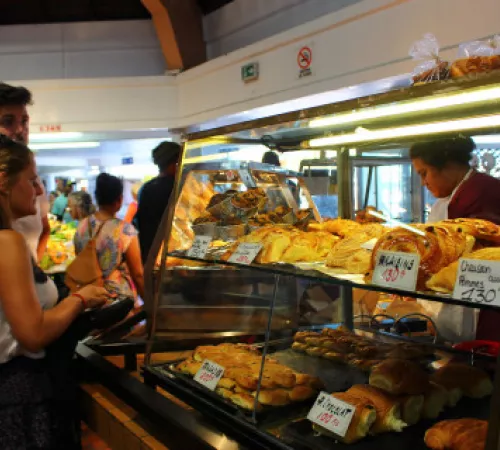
[363,42]
[245,22]
[80,50]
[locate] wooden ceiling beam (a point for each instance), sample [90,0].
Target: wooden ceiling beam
[179,28]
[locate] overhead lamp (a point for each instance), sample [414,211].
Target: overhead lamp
[471,123]
[61,136]
[64,145]
[487,139]
[428,104]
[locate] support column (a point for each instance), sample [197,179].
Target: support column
[179,28]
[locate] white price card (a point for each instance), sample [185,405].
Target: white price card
[478,282]
[396,269]
[332,414]
[209,374]
[199,247]
[245,253]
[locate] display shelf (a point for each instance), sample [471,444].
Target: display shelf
[352,281]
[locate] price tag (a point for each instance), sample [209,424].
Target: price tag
[209,374]
[332,414]
[397,270]
[199,247]
[478,282]
[245,253]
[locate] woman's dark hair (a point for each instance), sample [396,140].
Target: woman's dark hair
[14,158]
[165,154]
[440,152]
[14,95]
[271,158]
[108,189]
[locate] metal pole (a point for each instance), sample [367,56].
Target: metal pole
[347,309]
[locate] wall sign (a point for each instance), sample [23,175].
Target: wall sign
[478,282]
[304,61]
[128,161]
[332,414]
[397,270]
[250,72]
[55,128]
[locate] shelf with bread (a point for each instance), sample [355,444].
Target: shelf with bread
[275,284]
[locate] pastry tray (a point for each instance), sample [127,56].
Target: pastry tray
[300,435]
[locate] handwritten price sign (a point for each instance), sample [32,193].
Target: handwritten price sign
[199,247]
[478,282]
[332,414]
[209,374]
[397,270]
[245,253]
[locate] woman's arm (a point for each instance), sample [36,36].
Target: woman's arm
[134,263]
[31,326]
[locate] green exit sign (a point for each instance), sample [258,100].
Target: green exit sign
[250,72]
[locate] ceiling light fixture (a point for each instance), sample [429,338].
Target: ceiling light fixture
[377,112]
[487,139]
[64,145]
[471,123]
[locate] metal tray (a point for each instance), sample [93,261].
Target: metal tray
[301,436]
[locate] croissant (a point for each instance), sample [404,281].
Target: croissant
[347,254]
[473,382]
[364,417]
[399,377]
[459,434]
[387,408]
[479,228]
[445,279]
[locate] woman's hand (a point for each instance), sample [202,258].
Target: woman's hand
[94,296]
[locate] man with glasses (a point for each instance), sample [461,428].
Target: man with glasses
[14,123]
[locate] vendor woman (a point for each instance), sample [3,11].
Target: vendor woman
[444,168]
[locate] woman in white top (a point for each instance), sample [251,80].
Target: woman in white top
[30,414]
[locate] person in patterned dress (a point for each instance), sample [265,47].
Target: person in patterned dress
[117,243]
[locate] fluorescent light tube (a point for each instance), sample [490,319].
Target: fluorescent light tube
[64,135]
[63,145]
[376,112]
[487,139]
[471,123]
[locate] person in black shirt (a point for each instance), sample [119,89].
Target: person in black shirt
[154,195]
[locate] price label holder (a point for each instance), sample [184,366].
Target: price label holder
[478,282]
[199,247]
[245,253]
[332,414]
[396,270]
[209,374]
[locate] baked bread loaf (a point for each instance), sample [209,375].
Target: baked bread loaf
[473,382]
[475,64]
[364,417]
[435,399]
[478,228]
[459,434]
[399,377]
[444,281]
[411,408]
[387,408]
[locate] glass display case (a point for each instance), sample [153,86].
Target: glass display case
[307,290]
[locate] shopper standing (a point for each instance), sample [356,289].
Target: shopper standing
[155,195]
[14,123]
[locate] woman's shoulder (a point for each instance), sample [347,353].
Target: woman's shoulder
[11,237]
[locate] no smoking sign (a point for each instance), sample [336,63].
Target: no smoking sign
[304,60]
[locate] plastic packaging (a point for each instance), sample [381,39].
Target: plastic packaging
[432,68]
[477,57]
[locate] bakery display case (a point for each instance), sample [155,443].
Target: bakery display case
[301,287]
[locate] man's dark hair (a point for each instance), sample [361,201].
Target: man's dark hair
[108,189]
[14,95]
[165,154]
[440,152]
[271,158]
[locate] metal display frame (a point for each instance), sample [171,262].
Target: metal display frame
[232,426]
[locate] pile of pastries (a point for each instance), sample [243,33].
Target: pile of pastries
[344,346]
[287,244]
[242,364]
[400,392]
[440,246]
